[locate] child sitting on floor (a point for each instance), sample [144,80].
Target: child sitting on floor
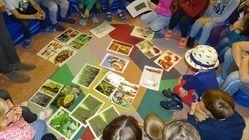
[86,6]
[190,87]
[12,124]
[222,122]
[160,16]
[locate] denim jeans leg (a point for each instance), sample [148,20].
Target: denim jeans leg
[232,83]
[206,30]
[221,54]
[159,23]
[149,17]
[228,58]
[195,29]
[40,128]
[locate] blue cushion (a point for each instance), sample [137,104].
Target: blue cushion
[241,98]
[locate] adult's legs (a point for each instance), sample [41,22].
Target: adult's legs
[175,18]
[40,128]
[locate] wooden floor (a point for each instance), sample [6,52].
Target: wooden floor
[44,69]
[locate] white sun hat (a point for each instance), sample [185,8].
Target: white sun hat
[202,57]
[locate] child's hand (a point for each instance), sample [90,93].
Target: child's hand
[238,24]
[42,14]
[86,14]
[183,92]
[37,16]
[18,114]
[152,5]
[203,20]
[192,108]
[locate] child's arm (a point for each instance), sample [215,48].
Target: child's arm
[152,5]
[23,16]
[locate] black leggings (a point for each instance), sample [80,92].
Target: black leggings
[184,21]
[26,112]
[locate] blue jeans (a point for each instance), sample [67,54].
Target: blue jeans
[232,82]
[206,30]
[221,48]
[157,21]
[40,128]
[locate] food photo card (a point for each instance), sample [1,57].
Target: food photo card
[108,84]
[125,94]
[148,48]
[102,30]
[62,56]
[46,93]
[98,122]
[79,41]
[50,49]
[86,76]
[114,63]
[63,124]
[142,33]
[151,78]
[65,36]
[66,97]
[88,107]
[168,60]
[120,47]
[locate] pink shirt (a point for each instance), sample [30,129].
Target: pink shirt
[163,8]
[20,131]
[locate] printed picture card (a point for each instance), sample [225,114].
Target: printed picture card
[50,50]
[98,122]
[125,94]
[149,49]
[62,56]
[78,42]
[63,124]
[87,108]
[142,33]
[168,60]
[102,30]
[67,35]
[138,7]
[114,63]
[67,96]
[151,78]
[87,75]
[46,93]
[120,47]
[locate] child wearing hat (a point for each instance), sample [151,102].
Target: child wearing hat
[204,59]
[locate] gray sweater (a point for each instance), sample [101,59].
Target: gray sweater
[221,10]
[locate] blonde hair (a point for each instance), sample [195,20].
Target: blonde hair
[2,109]
[153,126]
[180,130]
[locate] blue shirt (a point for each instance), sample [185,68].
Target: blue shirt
[211,129]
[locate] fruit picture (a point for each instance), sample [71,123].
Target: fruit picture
[148,48]
[120,47]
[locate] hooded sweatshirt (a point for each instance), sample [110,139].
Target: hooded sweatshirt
[211,129]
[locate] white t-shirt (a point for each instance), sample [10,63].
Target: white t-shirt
[15,4]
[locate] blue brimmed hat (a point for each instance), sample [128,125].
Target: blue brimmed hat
[202,57]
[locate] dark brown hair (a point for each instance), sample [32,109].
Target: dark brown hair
[123,128]
[219,103]
[153,126]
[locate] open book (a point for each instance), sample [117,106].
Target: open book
[138,7]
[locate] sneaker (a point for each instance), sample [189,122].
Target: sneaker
[14,75]
[23,66]
[171,105]
[182,42]
[95,19]
[83,22]
[190,42]
[68,20]
[171,95]
[121,16]
[48,30]
[58,27]
[26,43]
[108,16]
[167,35]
